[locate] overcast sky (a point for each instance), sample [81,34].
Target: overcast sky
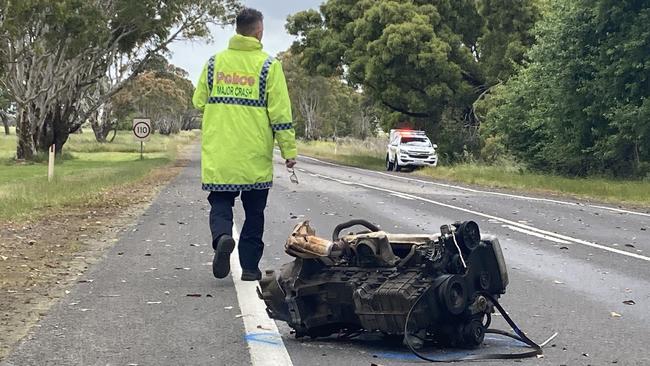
[191,56]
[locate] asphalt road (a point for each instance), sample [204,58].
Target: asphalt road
[571,266]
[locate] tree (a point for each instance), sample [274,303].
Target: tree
[581,105]
[507,36]
[326,106]
[55,53]
[419,58]
[162,93]
[4,116]
[307,94]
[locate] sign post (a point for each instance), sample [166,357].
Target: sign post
[142,131]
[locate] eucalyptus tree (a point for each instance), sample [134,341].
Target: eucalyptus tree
[56,52]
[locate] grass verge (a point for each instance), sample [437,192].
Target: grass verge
[82,179]
[355,153]
[51,233]
[358,154]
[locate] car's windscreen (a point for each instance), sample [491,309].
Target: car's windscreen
[416,141]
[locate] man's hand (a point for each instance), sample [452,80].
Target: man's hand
[290,163]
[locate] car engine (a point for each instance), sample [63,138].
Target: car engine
[373,281]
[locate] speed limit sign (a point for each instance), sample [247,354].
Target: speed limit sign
[141,128]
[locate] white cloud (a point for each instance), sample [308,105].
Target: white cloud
[192,56]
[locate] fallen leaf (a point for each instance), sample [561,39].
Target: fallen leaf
[558,282]
[615,314]
[3,257]
[629,302]
[120,253]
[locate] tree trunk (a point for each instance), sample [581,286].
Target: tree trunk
[55,130]
[25,149]
[101,130]
[5,122]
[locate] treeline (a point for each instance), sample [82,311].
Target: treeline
[558,85]
[66,62]
[581,105]
[326,107]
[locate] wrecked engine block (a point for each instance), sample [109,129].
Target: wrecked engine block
[371,280]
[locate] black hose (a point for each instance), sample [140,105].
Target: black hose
[351,223]
[519,336]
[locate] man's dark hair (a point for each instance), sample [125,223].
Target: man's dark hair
[247,20]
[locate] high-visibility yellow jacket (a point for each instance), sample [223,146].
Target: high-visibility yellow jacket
[243,95]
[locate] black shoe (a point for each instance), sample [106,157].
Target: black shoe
[221,261]
[248,275]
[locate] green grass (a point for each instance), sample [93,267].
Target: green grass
[357,154]
[7,144]
[506,176]
[91,169]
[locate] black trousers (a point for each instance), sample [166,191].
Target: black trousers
[250,244]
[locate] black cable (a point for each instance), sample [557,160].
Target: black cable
[519,336]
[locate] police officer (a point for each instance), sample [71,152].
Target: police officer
[243,95]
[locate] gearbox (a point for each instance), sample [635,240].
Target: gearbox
[435,287]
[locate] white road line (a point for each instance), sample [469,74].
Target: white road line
[547,237]
[510,222]
[264,340]
[402,196]
[527,198]
[620,210]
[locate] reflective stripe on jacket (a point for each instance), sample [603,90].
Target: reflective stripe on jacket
[243,95]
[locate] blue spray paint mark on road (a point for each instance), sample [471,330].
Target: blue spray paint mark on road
[273,339]
[402,356]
